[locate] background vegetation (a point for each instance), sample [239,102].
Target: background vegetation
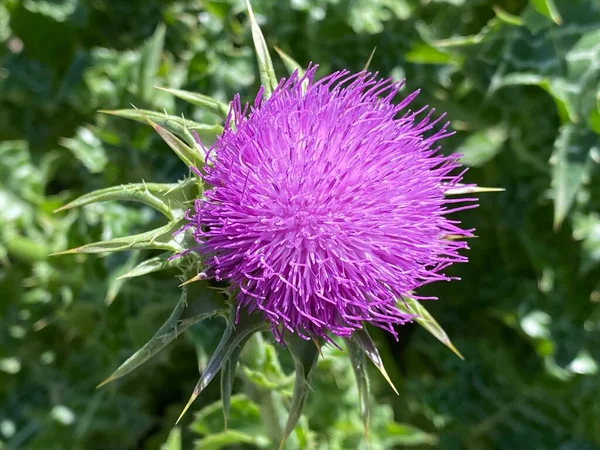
[520,81]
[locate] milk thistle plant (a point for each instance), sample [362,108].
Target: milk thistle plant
[321,207]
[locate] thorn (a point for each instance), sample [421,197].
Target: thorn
[62,208]
[200,276]
[387,378]
[370,59]
[451,346]
[105,382]
[66,252]
[193,397]
[318,345]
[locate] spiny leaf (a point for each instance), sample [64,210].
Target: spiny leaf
[358,361]
[426,320]
[305,355]
[290,63]
[148,193]
[189,156]
[227,378]
[157,239]
[174,124]
[234,335]
[472,190]
[156,264]
[194,306]
[265,65]
[116,283]
[363,340]
[203,101]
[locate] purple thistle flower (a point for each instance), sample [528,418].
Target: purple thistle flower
[326,204]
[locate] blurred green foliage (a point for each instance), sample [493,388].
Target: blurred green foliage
[520,81]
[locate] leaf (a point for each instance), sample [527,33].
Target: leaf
[404,435]
[150,63]
[156,264]
[305,355]
[358,361]
[571,164]
[174,124]
[196,304]
[146,193]
[203,101]
[228,376]
[424,53]
[157,239]
[115,283]
[174,441]
[265,65]
[411,306]
[363,340]
[245,414]
[480,147]
[226,438]
[88,149]
[290,63]
[548,9]
[189,156]
[235,334]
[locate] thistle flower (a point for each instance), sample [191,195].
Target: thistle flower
[326,204]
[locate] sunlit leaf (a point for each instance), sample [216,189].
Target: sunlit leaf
[196,304]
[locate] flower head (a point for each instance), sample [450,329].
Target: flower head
[327,204]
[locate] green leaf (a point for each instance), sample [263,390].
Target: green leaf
[88,149]
[115,282]
[480,147]
[404,435]
[305,355]
[226,438]
[571,164]
[290,63]
[147,193]
[197,302]
[156,264]
[235,334]
[203,101]
[174,441]
[363,341]
[411,306]
[157,239]
[265,65]
[150,63]
[548,9]
[61,11]
[246,425]
[424,53]
[358,361]
[189,156]
[228,376]
[174,124]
